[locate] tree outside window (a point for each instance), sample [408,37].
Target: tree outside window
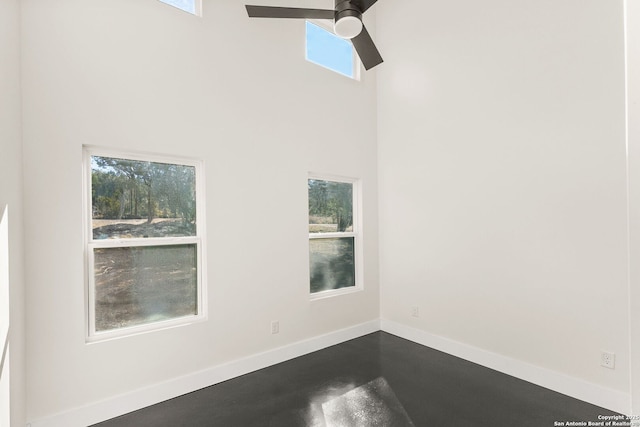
[144,246]
[333,237]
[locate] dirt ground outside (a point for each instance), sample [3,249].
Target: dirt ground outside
[144,284]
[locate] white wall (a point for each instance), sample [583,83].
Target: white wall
[5,363]
[633,115]
[11,196]
[501,165]
[502,179]
[233,91]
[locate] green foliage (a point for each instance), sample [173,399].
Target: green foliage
[106,191]
[332,199]
[123,188]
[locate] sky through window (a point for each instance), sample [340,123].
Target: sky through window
[330,51]
[186,5]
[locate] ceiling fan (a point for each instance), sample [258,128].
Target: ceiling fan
[347,17]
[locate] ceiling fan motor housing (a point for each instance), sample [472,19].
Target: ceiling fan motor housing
[348,19]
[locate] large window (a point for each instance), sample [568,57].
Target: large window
[334,236]
[144,245]
[326,49]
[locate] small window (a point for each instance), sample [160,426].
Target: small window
[144,244]
[191,6]
[330,51]
[334,237]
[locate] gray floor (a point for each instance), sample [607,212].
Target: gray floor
[376,380]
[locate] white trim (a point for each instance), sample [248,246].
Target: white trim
[4,280]
[142,242]
[332,177]
[328,25]
[119,405]
[93,336]
[142,156]
[5,320]
[334,293]
[198,7]
[356,234]
[129,331]
[632,104]
[332,235]
[574,387]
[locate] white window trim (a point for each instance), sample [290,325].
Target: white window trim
[197,5]
[91,336]
[356,234]
[327,24]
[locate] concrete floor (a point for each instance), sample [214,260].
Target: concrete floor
[375,380]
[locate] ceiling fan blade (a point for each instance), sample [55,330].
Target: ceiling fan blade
[366,49]
[363,5]
[288,12]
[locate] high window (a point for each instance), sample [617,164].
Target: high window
[191,6]
[334,236]
[144,242]
[326,49]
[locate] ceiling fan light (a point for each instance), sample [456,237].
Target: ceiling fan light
[348,27]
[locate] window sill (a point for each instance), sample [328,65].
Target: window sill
[144,329]
[335,293]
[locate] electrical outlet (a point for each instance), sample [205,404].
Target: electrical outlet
[415,311]
[275,327]
[608,360]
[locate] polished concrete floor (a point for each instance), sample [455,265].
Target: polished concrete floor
[375,380]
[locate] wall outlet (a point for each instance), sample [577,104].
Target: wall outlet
[275,327]
[608,360]
[415,311]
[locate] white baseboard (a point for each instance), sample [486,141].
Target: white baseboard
[138,399]
[579,389]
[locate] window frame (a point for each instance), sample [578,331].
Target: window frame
[356,234]
[326,24]
[90,244]
[197,6]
